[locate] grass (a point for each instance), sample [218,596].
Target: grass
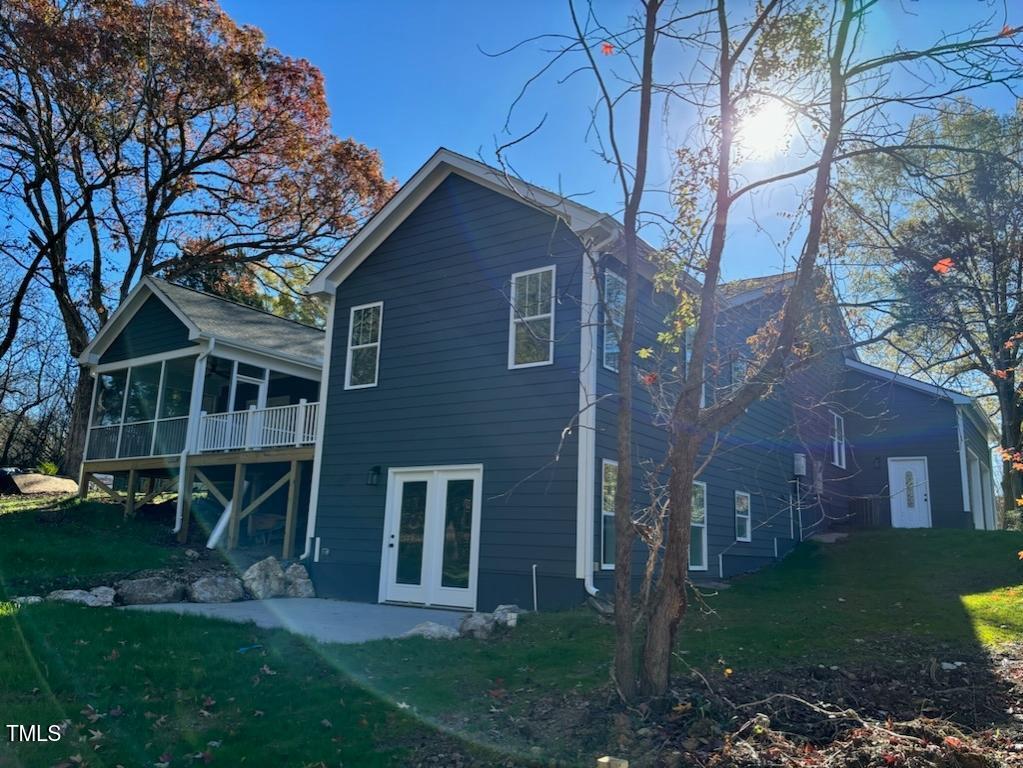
[91,542]
[877,594]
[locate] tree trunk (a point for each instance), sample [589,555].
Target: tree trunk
[670,599]
[1012,481]
[74,449]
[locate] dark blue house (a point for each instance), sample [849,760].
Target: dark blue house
[468,445]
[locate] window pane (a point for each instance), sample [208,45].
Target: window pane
[217,385]
[410,533]
[741,527]
[177,387]
[457,534]
[142,388]
[533,294]
[614,299]
[252,371]
[609,484]
[696,547]
[366,326]
[364,366]
[607,538]
[109,398]
[742,504]
[699,504]
[532,341]
[910,490]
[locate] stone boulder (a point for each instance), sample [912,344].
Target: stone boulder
[507,615]
[478,625]
[95,598]
[216,589]
[297,582]
[28,600]
[150,590]
[265,579]
[431,630]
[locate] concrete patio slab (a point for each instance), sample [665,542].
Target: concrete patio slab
[328,621]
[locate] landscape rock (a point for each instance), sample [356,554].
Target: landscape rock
[478,625]
[216,589]
[28,600]
[191,554]
[265,579]
[431,630]
[94,598]
[507,615]
[297,582]
[150,590]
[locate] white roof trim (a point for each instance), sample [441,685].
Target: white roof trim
[145,288]
[579,218]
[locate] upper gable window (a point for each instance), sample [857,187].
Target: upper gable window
[363,362]
[614,317]
[837,440]
[531,332]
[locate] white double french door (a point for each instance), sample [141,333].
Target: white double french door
[431,536]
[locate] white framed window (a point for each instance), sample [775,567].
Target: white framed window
[363,364]
[837,440]
[608,486]
[531,327]
[614,317]
[743,518]
[698,531]
[739,372]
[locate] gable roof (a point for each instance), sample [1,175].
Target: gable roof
[211,317]
[958,399]
[749,289]
[587,223]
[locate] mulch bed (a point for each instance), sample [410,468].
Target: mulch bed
[910,713]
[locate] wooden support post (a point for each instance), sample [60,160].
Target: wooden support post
[236,506]
[83,486]
[294,490]
[186,504]
[129,502]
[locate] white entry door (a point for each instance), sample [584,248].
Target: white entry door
[431,536]
[910,493]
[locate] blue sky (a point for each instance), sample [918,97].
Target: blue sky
[407,77]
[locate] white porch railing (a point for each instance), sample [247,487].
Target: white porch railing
[256,428]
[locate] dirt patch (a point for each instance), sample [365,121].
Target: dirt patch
[964,712]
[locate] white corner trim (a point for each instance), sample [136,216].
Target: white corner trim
[587,428]
[321,419]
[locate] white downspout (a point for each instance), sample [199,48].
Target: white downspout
[192,431]
[967,505]
[321,418]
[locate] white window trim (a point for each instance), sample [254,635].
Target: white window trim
[610,274]
[703,527]
[377,344]
[837,445]
[748,515]
[513,318]
[603,512]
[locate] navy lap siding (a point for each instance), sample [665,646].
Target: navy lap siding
[445,395]
[153,329]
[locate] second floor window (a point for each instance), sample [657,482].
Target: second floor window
[837,440]
[743,526]
[531,335]
[364,346]
[614,316]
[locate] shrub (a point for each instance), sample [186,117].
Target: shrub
[48,468]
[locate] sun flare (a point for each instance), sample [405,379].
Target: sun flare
[766,132]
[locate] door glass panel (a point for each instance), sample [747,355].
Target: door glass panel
[410,532]
[457,534]
[910,490]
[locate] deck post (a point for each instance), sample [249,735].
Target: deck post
[83,485]
[294,490]
[300,424]
[186,501]
[129,501]
[236,506]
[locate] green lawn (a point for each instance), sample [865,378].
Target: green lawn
[147,681]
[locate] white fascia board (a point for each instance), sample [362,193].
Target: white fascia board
[579,218]
[897,378]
